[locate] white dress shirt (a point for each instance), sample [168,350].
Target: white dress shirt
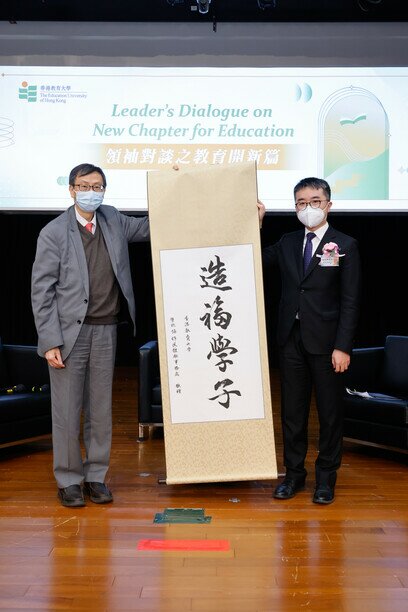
[84,222]
[316,240]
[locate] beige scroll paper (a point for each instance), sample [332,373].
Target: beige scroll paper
[214,370]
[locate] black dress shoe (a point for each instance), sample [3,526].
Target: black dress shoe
[288,488]
[98,492]
[324,494]
[71,496]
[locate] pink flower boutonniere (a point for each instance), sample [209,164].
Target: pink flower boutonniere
[330,255]
[330,248]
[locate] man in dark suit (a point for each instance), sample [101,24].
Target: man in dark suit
[80,270]
[318,315]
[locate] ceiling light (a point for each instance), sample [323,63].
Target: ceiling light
[203,6]
[266,4]
[367,5]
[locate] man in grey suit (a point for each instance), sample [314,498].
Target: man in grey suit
[80,269]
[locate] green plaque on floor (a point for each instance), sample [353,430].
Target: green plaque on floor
[182,515]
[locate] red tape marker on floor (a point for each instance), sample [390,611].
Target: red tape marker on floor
[213,545]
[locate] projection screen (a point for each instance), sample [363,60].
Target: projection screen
[302,116]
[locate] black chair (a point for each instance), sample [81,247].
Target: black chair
[25,399]
[150,398]
[376,395]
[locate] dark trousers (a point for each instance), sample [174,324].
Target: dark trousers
[301,371]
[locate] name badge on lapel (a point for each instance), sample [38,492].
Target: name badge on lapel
[331,255]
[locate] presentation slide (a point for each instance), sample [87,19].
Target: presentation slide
[348,125]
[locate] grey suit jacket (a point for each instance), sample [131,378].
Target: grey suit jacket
[60,283]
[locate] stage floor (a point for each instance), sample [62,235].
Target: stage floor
[281,555]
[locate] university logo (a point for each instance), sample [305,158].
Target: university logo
[27,92]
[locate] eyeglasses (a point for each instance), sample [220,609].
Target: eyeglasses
[97,188]
[312,204]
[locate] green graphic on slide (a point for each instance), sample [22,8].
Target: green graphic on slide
[27,92]
[354,141]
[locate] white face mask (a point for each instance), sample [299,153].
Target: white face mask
[88,201]
[311,217]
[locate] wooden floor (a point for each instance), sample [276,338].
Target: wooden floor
[284,555]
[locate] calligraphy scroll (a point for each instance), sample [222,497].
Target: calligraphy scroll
[214,371]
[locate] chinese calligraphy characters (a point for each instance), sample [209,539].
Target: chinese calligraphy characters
[214,276]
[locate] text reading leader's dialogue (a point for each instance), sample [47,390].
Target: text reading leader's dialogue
[184,111]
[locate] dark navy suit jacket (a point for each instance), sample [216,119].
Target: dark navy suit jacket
[326,298]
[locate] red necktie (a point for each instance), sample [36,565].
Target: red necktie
[89,226]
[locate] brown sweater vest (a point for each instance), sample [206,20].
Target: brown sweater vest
[104,304]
